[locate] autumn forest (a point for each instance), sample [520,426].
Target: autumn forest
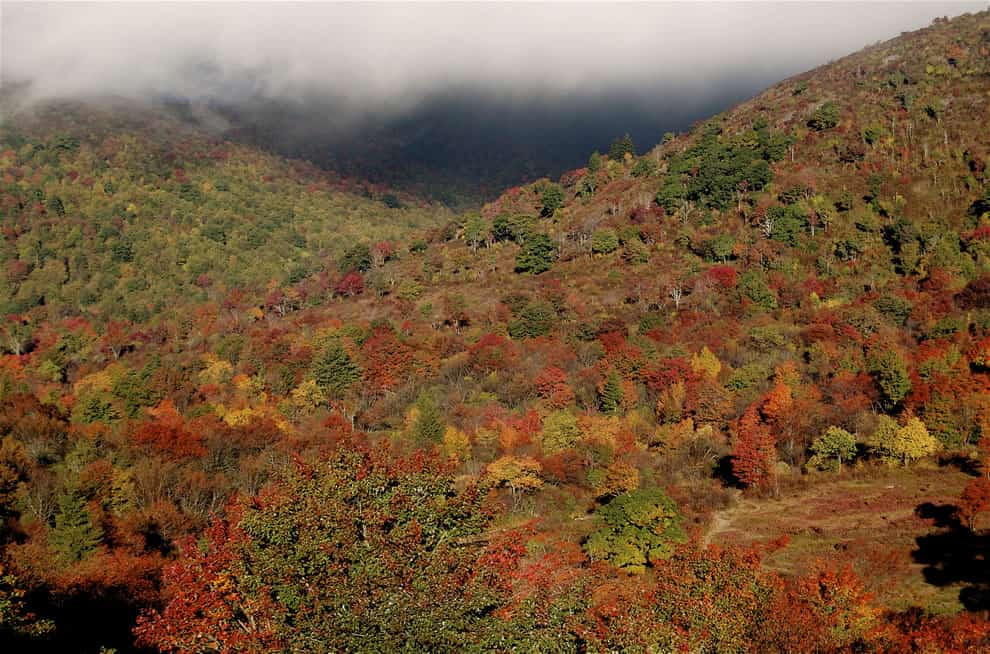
[728,392]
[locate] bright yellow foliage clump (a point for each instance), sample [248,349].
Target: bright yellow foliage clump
[456,444]
[99,382]
[519,474]
[217,371]
[307,396]
[903,444]
[706,364]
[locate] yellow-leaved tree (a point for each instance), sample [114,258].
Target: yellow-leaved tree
[706,364]
[456,444]
[518,474]
[902,443]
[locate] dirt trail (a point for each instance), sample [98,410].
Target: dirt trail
[722,520]
[720,523]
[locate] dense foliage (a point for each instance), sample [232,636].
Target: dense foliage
[247,406]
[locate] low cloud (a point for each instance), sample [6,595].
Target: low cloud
[385,57]
[447,82]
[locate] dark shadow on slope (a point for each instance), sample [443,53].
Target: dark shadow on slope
[725,474]
[941,515]
[968,465]
[955,556]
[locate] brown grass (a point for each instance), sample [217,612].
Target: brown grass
[868,521]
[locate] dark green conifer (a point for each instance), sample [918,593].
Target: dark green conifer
[610,396]
[428,425]
[75,536]
[334,371]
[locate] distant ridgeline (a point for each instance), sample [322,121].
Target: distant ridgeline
[124,214]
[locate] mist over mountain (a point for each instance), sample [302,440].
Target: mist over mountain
[461,145]
[452,102]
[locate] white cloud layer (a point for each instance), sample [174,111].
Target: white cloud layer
[382,57]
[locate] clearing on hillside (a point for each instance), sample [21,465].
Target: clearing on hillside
[895,528]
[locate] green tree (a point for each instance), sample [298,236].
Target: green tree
[594,162]
[891,376]
[551,199]
[361,553]
[75,535]
[64,143]
[719,248]
[537,256]
[644,167]
[358,257]
[621,147]
[897,308]
[788,223]
[604,241]
[334,371]
[428,426]
[512,227]
[832,448]
[95,408]
[587,186]
[825,117]
[475,230]
[753,286]
[635,529]
[534,319]
[56,206]
[610,396]
[671,194]
[560,432]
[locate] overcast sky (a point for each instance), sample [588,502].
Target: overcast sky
[396,92]
[380,55]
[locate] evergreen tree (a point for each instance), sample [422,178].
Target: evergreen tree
[334,371]
[56,206]
[538,255]
[891,375]
[610,395]
[621,147]
[552,198]
[357,258]
[74,536]
[752,285]
[534,319]
[604,241]
[825,117]
[392,201]
[95,409]
[428,425]
[645,167]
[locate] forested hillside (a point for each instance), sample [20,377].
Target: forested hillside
[122,215]
[245,407]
